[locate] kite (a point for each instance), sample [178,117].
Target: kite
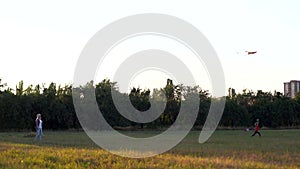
[251,53]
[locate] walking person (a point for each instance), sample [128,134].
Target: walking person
[256,128]
[38,127]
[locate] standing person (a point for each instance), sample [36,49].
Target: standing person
[38,127]
[256,128]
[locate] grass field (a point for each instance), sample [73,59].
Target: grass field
[225,149]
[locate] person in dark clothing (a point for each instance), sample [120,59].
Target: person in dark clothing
[256,130]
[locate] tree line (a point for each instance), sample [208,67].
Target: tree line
[19,106]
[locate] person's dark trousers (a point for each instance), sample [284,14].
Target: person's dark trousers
[256,132]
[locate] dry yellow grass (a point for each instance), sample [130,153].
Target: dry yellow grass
[214,154]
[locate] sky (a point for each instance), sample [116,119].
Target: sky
[40,42]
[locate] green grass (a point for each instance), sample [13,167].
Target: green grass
[225,149]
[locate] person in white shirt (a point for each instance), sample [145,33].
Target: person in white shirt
[38,126]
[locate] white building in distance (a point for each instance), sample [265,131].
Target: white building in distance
[291,88]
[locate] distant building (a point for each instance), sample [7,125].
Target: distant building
[291,88]
[231,92]
[287,89]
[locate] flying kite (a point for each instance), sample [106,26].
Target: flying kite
[251,52]
[246,53]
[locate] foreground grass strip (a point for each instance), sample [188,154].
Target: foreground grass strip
[15,155]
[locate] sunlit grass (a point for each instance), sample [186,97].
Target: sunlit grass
[226,149]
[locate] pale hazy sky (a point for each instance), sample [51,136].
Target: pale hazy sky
[40,42]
